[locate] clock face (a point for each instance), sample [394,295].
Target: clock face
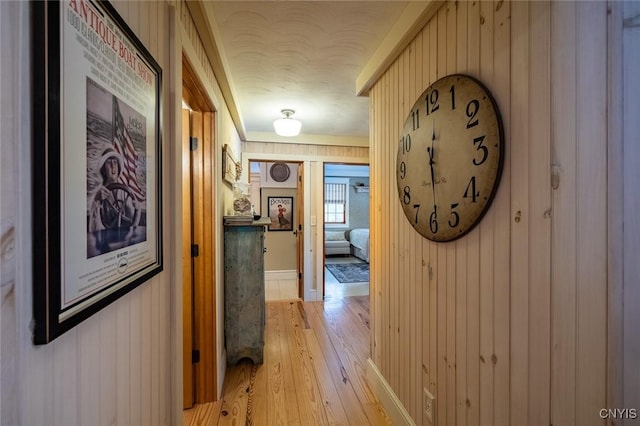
[450,156]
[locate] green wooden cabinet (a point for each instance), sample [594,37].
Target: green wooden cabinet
[244,316]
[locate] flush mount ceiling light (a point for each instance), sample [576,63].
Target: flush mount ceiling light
[287,126]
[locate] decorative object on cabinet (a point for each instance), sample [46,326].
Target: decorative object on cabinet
[244,299]
[450,157]
[280,210]
[97,163]
[242,199]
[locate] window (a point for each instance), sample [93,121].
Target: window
[336,201]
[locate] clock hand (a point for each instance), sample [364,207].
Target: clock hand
[431,162]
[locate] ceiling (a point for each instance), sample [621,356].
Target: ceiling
[307,56]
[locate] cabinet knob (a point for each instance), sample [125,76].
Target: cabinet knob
[264,249]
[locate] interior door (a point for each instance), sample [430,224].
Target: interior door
[199,300]
[200,372]
[299,235]
[187,280]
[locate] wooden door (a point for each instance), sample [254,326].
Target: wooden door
[300,236]
[187,279]
[199,353]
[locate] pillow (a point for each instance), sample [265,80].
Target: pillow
[334,235]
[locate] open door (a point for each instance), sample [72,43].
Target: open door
[187,281]
[198,246]
[299,231]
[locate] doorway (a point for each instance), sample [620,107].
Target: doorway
[345,230]
[198,243]
[277,192]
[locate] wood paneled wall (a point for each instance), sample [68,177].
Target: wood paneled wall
[508,324]
[303,151]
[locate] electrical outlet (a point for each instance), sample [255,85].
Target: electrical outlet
[429,405]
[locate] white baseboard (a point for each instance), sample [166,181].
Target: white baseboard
[280,275]
[281,285]
[387,397]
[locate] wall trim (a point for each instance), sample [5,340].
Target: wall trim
[280,275]
[411,22]
[387,397]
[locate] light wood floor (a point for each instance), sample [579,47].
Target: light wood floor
[313,373]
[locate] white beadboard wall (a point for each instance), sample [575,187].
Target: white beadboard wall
[508,325]
[115,367]
[626,355]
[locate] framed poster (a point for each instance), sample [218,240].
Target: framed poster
[281,213]
[97,224]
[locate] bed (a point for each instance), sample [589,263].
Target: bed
[359,240]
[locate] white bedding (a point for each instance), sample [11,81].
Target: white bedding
[359,238]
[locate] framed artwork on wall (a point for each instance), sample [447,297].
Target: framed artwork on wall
[97,175]
[280,211]
[230,167]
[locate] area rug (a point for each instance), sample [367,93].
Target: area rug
[350,272]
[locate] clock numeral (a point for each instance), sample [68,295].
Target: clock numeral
[407,195]
[415,117]
[480,147]
[405,141]
[433,220]
[417,209]
[470,192]
[432,101]
[456,216]
[453,96]
[403,170]
[472,110]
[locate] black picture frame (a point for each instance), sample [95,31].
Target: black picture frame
[280,212]
[97,166]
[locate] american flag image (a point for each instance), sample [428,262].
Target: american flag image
[124,146]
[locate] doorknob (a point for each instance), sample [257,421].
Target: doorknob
[295,232]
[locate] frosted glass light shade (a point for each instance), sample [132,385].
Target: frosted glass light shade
[287,126]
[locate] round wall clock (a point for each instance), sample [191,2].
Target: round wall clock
[279,172]
[450,157]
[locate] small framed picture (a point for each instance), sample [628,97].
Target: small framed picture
[281,213]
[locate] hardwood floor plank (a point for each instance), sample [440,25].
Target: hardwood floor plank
[343,381]
[353,359]
[314,371]
[236,394]
[202,414]
[259,395]
[309,399]
[282,407]
[346,328]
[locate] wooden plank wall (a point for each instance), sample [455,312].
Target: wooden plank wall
[508,324]
[301,151]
